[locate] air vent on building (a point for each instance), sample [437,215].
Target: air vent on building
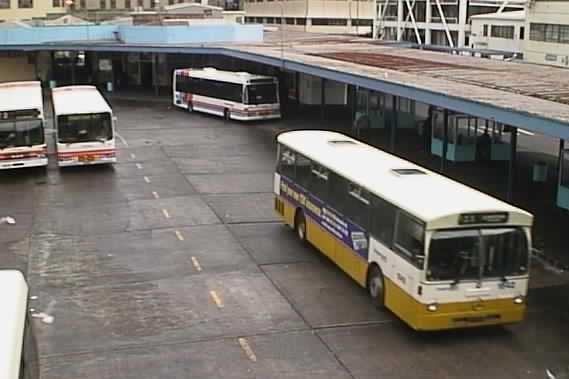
[408,171]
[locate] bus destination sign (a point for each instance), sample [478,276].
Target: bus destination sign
[19,114]
[483,218]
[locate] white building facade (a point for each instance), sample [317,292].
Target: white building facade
[439,22]
[548,38]
[504,31]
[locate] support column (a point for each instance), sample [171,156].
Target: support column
[462,15]
[399,20]
[297,89]
[73,60]
[155,74]
[445,141]
[560,164]
[322,98]
[512,162]
[428,18]
[394,124]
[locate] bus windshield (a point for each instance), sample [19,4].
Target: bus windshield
[21,133]
[475,254]
[84,128]
[262,94]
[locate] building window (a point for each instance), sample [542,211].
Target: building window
[171,2]
[25,4]
[300,21]
[502,31]
[289,21]
[270,20]
[361,22]
[83,4]
[103,4]
[4,4]
[329,22]
[549,33]
[113,4]
[141,3]
[485,31]
[522,33]
[127,4]
[56,3]
[152,4]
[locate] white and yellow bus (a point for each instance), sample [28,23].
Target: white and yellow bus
[18,351]
[438,254]
[22,140]
[233,95]
[85,126]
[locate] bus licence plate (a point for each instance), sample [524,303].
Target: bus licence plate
[86,158]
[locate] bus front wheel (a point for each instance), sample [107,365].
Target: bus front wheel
[376,287]
[300,226]
[190,108]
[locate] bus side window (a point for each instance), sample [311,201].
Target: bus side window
[338,192]
[383,220]
[303,174]
[286,164]
[410,238]
[319,181]
[357,205]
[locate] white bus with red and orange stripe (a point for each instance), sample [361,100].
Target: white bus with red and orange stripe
[233,95]
[85,126]
[22,140]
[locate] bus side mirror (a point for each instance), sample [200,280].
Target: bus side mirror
[420,260]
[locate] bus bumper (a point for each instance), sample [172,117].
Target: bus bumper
[19,163]
[77,162]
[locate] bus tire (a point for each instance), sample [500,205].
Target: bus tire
[376,286]
[300,226]
[190,108]
[227,114]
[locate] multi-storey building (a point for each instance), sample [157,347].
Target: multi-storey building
[28,9]
[439,22]
[548,39]
[500,32]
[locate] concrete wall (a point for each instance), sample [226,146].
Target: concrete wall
[478,41]
[16,68]
[547,12]
[133,34]
[40,9]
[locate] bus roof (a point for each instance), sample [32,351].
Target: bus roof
[226,76]
[433,198]
[78,100]
[14,296]
[21,95]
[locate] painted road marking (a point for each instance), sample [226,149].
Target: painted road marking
[165,213]
[247,349]
[132,156]
[122,139]
[147,179]
[155,194]
[216,299]
[139,166]
[197,265]
[179,235]
[527,133]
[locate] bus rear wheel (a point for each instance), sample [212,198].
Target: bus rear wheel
[190,108]
[300,226]
[227,114]
[376,287]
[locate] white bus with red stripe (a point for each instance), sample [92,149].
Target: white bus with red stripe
[22,139]
[85,126]
[233,95]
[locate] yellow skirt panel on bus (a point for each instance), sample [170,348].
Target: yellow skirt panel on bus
[320,238]
[288,210]
[451,315]
[351,263]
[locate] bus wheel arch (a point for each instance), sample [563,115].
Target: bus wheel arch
[300,225]
[375,284]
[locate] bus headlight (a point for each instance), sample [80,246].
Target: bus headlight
[432,307]
[518,300]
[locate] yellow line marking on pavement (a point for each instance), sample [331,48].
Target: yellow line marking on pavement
[247,349]
[197,265]
[132,156]
[147,179]
[155,194]
[139,166]
[179,235]
[216,298]
[165,213]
